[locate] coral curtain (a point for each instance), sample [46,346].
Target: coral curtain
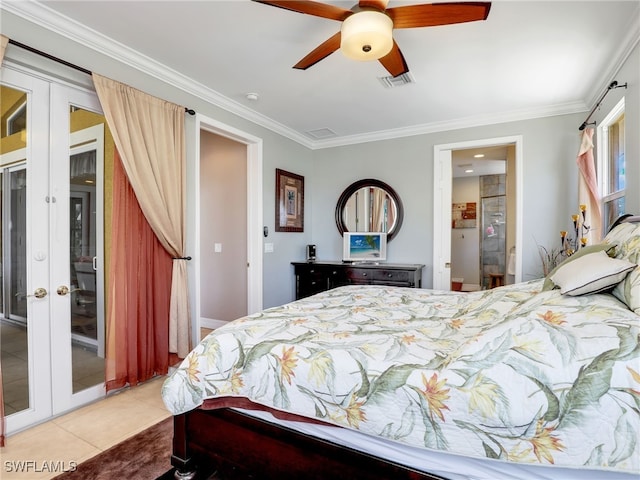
[3,45]
[137,345]
[588,186]
[149,135]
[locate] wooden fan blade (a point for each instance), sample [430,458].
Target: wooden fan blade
[377,4]
[431,15]
[394,61]
[310,8]
[322,51]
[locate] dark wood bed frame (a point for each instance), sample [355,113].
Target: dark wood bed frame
[229,444]
[235,445]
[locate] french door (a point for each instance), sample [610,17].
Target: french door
[51,319]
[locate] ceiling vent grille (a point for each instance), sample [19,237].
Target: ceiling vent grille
[321,133]
[400,80]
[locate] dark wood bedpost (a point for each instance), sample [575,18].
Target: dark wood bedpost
[180,459]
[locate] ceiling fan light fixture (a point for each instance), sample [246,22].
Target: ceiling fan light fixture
[366,35]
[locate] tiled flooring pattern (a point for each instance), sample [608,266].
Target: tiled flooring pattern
[81,434]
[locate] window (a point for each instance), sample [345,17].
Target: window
[611,165]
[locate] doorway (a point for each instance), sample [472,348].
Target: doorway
[483,217]
[52,325]
[443,216]
[229,243]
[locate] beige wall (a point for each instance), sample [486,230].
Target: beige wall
[223,222]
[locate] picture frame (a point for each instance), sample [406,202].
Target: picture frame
[289,202]
[463,215]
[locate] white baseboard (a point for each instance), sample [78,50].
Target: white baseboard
[211,323]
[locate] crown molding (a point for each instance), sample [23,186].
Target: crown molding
[457,124]
[43,16]
[39,14]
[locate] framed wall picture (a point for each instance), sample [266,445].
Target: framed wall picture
[463,215]
[289,202]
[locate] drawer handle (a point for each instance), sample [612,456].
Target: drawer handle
[312,271]
[389,275]
[364,274]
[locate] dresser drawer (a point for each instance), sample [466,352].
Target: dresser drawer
[314,278]
[359,275]
[306,288]
[394,276]
[312,274]
[371,275]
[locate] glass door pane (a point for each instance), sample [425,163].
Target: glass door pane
[77,313]
[17,243]
[493,238]
[13,325]
[13,268]
[87,351]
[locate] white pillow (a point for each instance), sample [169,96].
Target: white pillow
[591,273]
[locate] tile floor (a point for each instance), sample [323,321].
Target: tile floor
[81,434]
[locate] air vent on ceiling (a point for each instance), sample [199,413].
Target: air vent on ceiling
[392,82]
[321,133]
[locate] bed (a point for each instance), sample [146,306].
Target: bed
[517,382]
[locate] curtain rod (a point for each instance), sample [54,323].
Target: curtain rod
[68,64]
[611,86]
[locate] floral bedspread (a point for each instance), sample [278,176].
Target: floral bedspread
[512,373]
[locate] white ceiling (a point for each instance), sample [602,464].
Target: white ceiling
[474,162]
[528,59]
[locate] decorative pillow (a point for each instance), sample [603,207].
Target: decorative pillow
[622,232]
[591,273]
[609,247]
[628,236]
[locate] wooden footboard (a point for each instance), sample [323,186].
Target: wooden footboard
[239,446]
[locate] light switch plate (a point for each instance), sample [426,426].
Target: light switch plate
[217,247]
[268,248]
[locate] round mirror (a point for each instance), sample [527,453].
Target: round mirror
[369,206]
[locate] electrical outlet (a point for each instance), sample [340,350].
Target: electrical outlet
[268,248]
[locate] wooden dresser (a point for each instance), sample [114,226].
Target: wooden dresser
[315,277]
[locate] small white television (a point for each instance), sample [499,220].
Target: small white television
[364,247]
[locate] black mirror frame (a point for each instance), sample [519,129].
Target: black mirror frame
[369,182]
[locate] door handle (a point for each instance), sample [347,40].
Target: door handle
[39,293]
[62,290]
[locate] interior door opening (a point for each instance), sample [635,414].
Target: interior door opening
[443,210]
[205,245]
[483,224]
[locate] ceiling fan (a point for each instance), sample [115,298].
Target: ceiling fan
[367,29]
